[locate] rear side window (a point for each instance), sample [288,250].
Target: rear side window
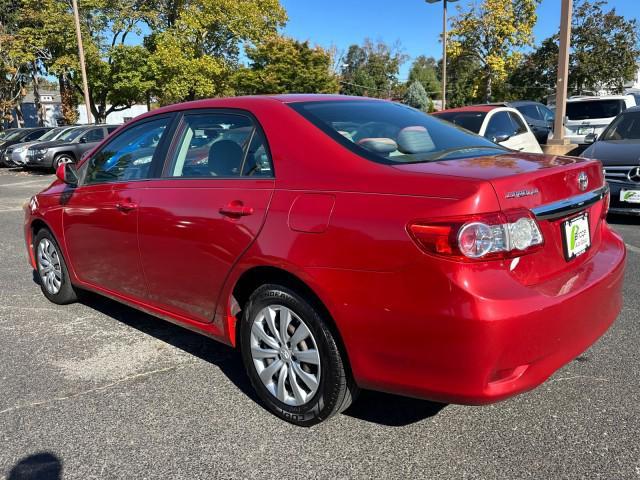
[472,121]
[587,109]
[530,111]
[94,135]
[392,133]
[219,145]
[128,156]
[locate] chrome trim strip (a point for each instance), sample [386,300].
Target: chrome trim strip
[571,205]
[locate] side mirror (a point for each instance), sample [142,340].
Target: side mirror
[591,138]
[500,138]
[67,173]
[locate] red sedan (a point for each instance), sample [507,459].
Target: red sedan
[340,243]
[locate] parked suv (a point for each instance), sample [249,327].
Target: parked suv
[52,154]
[16,155]
[591,115]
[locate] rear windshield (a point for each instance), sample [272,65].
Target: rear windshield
[472,121]
[625,127]
[392,133]
[585,110]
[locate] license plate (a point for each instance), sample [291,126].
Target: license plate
[585,131]
[576,236]
[630,196]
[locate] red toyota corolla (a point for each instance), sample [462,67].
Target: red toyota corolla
[340,243]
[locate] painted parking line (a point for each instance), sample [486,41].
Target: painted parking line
[28,182]
[633,248]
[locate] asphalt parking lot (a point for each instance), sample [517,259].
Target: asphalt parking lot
[100,390]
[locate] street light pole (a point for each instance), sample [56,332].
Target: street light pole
[563,73]
[83,69]
[444,49]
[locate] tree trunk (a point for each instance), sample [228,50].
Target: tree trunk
[489,92]
[69,110]
[19,115]
[40,112]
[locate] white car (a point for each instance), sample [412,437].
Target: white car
[591,115]
[502,125]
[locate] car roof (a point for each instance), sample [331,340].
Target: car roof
[592,98]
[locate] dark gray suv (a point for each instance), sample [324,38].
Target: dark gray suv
[69,150]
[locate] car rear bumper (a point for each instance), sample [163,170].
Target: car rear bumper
[457,343]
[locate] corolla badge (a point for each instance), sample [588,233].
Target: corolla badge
[583,181]
[522,193]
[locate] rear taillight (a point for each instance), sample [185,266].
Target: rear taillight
[499,235]
[606,201]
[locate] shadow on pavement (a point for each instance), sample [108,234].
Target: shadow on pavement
[374,407]
[392,410]
[614,219]
[31,171]
[39,466]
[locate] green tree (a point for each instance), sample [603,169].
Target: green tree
[416,96]
[493,31]
[197,51]
[604,55]
[371,69]
[284,65]
[424,70]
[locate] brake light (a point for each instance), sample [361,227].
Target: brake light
[499,235]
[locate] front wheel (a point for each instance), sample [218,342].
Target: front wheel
[52,270]
[61,160]
[292,358]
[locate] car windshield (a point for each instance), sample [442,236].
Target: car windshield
[587,109]
[15,135]
[472,121]
[51,134]
[392,133]
[71,134]
[625,127]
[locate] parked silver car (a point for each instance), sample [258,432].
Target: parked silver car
[16,155]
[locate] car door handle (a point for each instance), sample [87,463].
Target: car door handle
[235,210]
[126,207]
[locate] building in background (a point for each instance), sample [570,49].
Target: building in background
[115,118]
[50,100]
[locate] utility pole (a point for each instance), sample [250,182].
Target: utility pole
[563,73]
[83,69]
[444,49]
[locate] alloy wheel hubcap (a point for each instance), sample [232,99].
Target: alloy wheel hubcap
[49,266]
[285,355]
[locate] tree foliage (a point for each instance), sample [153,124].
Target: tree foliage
[604,55]
[284,65]
[424,70]
[371,69]
[416,96]
[492,32]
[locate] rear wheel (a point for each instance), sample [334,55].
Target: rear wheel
[292,358]
[52,270]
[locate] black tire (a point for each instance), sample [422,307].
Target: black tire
[61,158]
[65,293]
[336,388]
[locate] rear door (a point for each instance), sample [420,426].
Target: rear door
[101,214]
[205,211]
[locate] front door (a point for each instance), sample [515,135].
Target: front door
[101,214]
[205,212]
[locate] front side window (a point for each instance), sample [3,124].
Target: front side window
[219,145]
[500,124]
[547,114]
[393,133]
[518,124]
[128,156]
[530,111]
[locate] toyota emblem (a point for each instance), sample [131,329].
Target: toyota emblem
[583,181]
[634,175]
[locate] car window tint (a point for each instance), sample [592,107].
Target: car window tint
[547,114]
[211,145]
[257,162]
[472,121]
[128,156]
[587,109]
[94,135]
[500,124]
[111,129]
[530,111]
[624,127]
[519,125]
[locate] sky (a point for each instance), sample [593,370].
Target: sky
[416,24]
